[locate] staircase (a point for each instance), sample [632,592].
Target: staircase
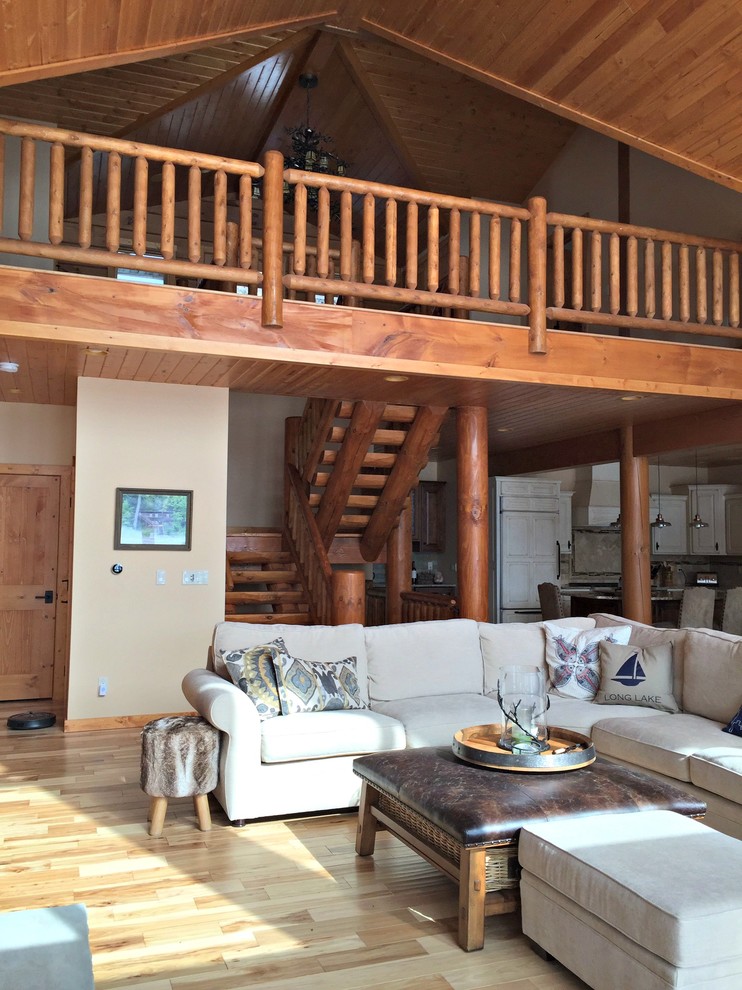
[350,469]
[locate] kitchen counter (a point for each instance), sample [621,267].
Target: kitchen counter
[665,602]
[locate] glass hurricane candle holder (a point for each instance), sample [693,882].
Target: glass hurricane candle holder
[521,694]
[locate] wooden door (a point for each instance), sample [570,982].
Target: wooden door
[29,538]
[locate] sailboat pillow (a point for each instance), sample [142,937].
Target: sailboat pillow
[630,675]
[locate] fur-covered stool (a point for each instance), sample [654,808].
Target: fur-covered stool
[180,758]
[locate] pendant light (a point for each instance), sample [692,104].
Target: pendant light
[660,522]
[696,522]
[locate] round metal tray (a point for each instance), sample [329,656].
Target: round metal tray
[479,744]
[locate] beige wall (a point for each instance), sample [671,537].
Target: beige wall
[143,637]
[32,434]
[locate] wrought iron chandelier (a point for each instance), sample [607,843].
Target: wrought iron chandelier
[308,147]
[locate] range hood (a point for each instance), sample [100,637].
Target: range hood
[597,498]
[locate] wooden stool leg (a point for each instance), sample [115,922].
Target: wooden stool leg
[157,809]
[201,804]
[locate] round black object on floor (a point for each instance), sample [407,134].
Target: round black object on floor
[32,720]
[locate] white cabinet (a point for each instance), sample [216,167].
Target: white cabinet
[565,522]
[674,538]
[709,501]
[733,520]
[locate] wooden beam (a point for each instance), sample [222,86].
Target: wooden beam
[473,517]
[722,426]
[348,462]
[636,578]
[411,459]
[593,448]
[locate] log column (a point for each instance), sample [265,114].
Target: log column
[472,515]
[636,579]
[398,564]
[348,597]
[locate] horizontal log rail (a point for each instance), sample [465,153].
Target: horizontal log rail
[644,278]
[421,606]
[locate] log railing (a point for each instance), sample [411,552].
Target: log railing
[422,606]
[140,177]
[627,276]
[313,431]
[306,547]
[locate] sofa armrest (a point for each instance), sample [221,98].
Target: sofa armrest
[231,711]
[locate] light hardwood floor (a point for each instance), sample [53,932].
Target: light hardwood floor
[278,905]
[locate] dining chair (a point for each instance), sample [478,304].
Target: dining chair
[731,617]
[697,608]
[550,600]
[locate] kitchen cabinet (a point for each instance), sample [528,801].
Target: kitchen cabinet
[733,523]
[709,501]
[429,517]
[674,538]
[565,522]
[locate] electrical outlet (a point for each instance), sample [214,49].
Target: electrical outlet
[160,577]
[195,577]
[102,687]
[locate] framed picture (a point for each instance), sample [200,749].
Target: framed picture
[152,519]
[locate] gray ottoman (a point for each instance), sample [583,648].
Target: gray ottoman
[180,758]
[646,900]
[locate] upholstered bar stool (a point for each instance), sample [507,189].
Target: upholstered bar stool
[180,758]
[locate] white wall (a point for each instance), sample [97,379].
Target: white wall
[255,476]
[31,434]
[143,637]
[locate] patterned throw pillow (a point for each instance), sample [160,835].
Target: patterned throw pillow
[253,671]
[735,726]
[312,686]
[630,675]
[573,659]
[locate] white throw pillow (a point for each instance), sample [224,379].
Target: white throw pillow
[573,659]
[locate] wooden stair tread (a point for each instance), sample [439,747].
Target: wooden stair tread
[290,618]
[388,438]
[362,480]
[258,556]
[240,576]
[376,459]
[353,502]
[265,597]
[393,413]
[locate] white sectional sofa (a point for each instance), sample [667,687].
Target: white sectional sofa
[423,681]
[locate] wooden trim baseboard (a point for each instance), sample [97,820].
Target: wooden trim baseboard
[116,721]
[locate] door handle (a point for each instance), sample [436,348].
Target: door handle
[48,597]
[559,559]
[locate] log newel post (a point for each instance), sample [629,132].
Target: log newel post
[398,564]
[348,597]
[272,312]
[473,516]
[636,581]
[537,234]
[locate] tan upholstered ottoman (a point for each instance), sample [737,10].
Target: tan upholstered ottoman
[180,758]
[646,900]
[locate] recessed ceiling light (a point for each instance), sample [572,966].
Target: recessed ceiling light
[503,429]
[396,378]
[97,351]
[9,366]
[14,391]
[631,398]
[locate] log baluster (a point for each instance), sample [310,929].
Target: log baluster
[514,273]
[433,248]
[167,227]
[232,253]
[458,313]
[733,289]
[323,233]
[355,270]
[26,190]
[577,264]
[717,288]
[2,172]
[614,273]
[139,222]
[194,213]
[454,252]
[558,265]
[346,236]
[272,303]
[596,271]
[330,295]
[666,280]
[632,276]
[494,262]
[537,233]
[650,295]
[244,258]
[684,282]
[475,255]
[411,274]
[369,238]
[312,273]
[300,228]
[56,193]
[701,286]
[390,245]
[113,202]
[219,255]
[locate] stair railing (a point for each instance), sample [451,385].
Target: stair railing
[421,606]
[313,431]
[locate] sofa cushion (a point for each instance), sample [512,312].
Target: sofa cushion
[662,743]
[517,642]
[719,771]
[712,679]
[644,635]
[572,658]
[252,670]
[632,675]
[734,727]
[319,734]
[423,658]
[433,721]
[312,686]
[311,642]
[581,716]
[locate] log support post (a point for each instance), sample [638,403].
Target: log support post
[398,564]
[636,581]
[537,275]
[348,597]
[272,311]
[473,520]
